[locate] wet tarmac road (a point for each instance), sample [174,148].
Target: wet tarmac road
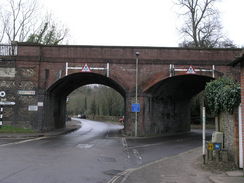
[89,155]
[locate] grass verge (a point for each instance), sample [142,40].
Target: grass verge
[12,129]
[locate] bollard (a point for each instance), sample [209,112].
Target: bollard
[1,116]
[217,156]
[224,155]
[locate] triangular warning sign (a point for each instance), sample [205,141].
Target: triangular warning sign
[190,70]
[86,68]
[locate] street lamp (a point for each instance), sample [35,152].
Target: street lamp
[137,55]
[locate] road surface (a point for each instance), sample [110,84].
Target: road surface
[90,155]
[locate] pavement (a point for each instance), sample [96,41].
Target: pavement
[182,168]
[70,127]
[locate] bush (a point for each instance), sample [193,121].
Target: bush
[222,95]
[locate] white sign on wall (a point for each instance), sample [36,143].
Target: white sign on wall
[26,92]
[6,103]
[7,72]
[40,104]
[32,108]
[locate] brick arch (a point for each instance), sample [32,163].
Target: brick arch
[153,80]
[186,78]
[168,103]
[71,82]
[161,76]
[56,94]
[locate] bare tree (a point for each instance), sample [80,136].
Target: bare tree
[17,17]
[2,31]
[49,33]
[202,27]
[19,22]
[2,26]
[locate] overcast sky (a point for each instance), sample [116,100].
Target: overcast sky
[135,22]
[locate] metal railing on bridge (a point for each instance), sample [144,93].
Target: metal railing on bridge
[8,50]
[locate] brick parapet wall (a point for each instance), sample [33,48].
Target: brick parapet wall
[127,54]
[122,61]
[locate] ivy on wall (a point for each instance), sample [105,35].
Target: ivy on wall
[222,95]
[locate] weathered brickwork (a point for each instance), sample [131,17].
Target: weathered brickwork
[38,84]
[242,102]
[229,125]
[8,84]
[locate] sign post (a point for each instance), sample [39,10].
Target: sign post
[1,116]
[2,94]
[3,103]
[135,108]
[136,111]
[210,146]
[217,146]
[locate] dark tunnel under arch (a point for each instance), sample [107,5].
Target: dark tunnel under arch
[168,104]
[56,94]
[183,86]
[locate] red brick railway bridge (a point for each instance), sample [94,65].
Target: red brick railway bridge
[39,78]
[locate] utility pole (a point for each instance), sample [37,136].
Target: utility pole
[136,120]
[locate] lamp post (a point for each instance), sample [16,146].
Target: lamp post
[136,97]
[203,134]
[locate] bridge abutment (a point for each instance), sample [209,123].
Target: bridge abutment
[158,116]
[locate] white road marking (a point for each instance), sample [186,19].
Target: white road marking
[125,146]
[23,141]
[137,154]
[119,175]
[85,146]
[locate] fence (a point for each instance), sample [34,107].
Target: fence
[8,50]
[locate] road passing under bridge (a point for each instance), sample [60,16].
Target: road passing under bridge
[93,154]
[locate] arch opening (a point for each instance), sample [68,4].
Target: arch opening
[95,102]
[169,103]
[56,96]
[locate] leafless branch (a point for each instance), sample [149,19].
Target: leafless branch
[202,27]
[17,17]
